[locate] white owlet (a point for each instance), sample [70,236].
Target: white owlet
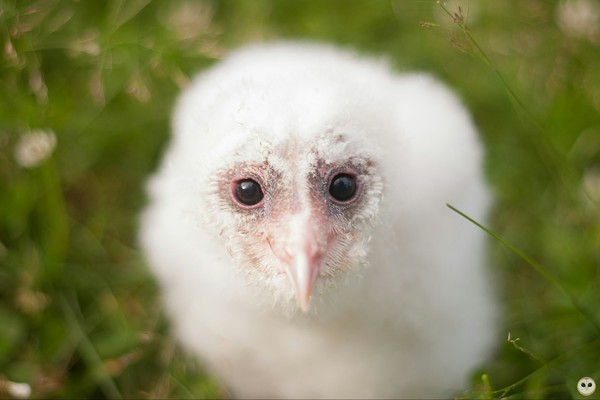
[298,228]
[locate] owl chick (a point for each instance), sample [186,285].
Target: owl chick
[297,227]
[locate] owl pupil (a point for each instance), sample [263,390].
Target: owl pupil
[248,192]
[343,187]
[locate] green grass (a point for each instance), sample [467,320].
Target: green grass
[79,313]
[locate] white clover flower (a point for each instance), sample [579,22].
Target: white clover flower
[579,18]
[34,147]
[18,390]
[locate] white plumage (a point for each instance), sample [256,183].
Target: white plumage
[304,177]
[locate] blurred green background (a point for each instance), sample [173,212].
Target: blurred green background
[79,314]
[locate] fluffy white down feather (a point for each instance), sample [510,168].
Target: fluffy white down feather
[402,306]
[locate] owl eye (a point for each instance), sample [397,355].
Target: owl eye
[248,192]
[343,187]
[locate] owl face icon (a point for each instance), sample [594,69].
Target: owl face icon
[586,386]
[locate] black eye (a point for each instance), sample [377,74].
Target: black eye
[343,187]
[248,192]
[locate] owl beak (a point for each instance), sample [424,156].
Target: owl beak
[300,248]
[303,273]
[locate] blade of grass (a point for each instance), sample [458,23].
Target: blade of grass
[539,268]
[56,237]
[186,392]
[89,353]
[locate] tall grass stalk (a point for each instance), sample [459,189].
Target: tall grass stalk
[557,164]
[89,354]
[536,266]
[555,364]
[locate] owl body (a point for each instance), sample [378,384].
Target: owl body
[401,305]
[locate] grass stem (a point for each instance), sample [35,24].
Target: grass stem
[552,159]
[539,268]
[89,354]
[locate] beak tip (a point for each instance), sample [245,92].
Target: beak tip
[305,306]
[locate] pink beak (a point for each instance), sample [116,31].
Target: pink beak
[301,252]
[303,272]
